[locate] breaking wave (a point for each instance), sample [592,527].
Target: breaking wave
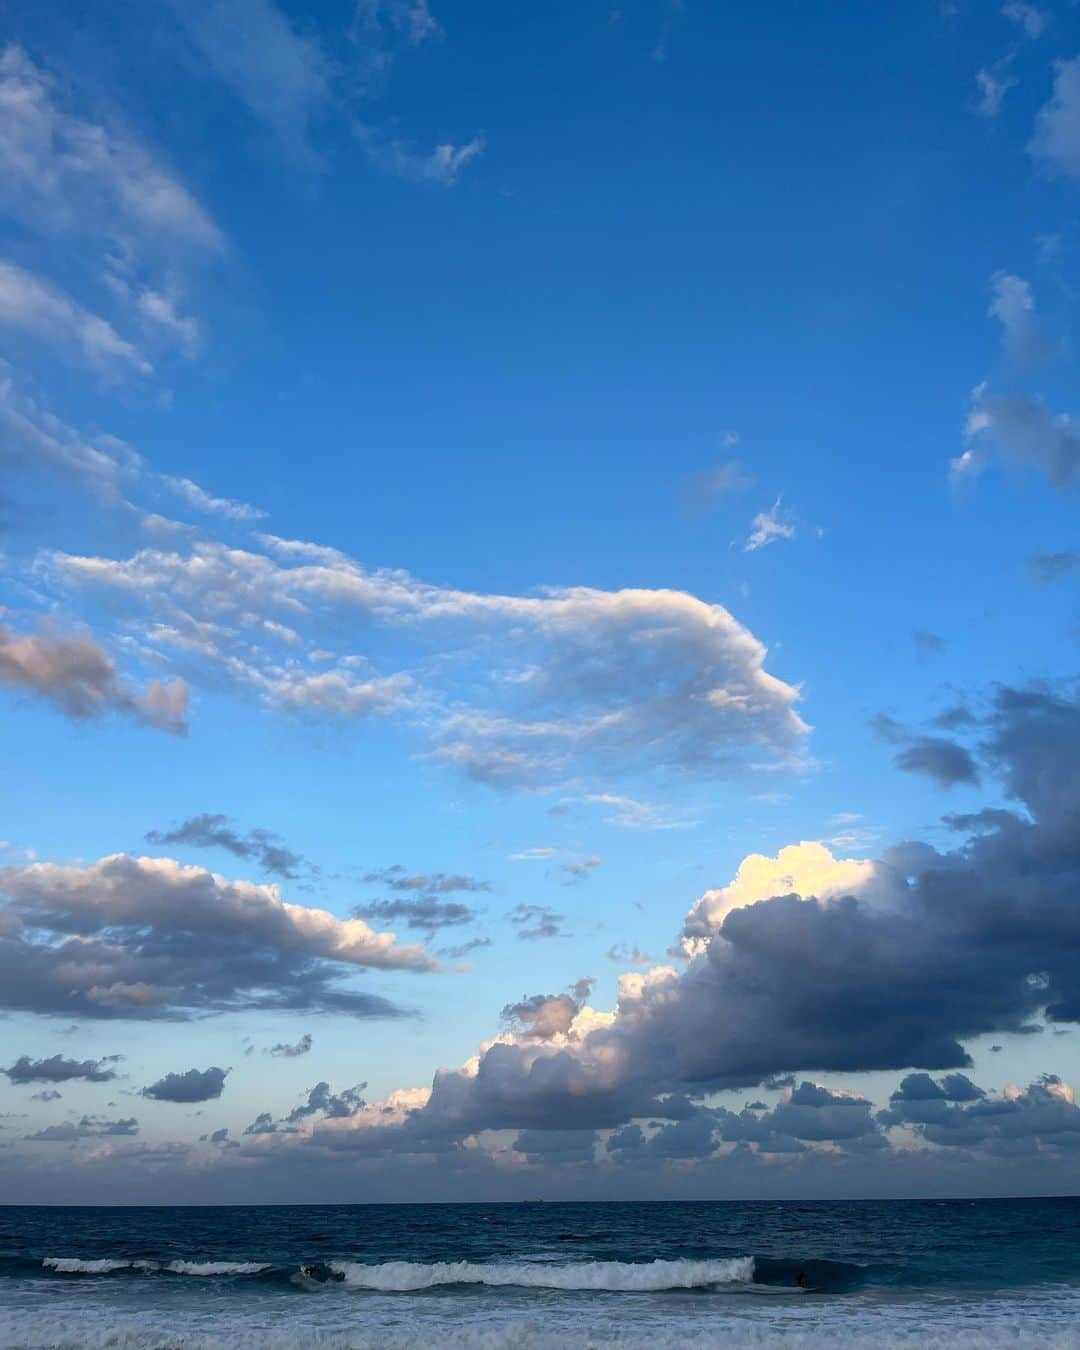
[612,1276]
[73,1265]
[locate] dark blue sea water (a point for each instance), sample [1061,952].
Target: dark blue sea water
[932,1273]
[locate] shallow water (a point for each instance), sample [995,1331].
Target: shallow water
[933,1273]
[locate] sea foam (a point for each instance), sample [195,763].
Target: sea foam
[614,1276]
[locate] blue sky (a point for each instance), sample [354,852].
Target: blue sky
[557,455]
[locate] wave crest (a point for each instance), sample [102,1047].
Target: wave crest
[611,1276]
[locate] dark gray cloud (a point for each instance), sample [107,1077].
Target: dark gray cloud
[194,1085]
[399,878]
[48,1095]
[937,948]
[956,718]
[945,761]
[79,678]
[424,913]
[262,847]
[57,1069]
[1048,568]
[537,921]
[283,1050]
[89,1127]
[146,938]
[322,1102]
[465,948]
[1044,1114]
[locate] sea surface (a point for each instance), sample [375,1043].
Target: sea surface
[878,1273]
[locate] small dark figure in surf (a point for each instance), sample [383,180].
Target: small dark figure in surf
[800,1280]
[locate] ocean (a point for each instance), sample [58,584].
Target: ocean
[956,1273]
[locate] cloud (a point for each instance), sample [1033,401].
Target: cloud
[283,1050]
[1057,128]
[399,878]
[767,528]
[263,847]
[993,83]
[580,869]
[283,76]
[871,970]
[425,913]
[537,921]
[80,679]
[628,813]
[961,1115]
[57,1069]
[147,937]
[89,1127]
[1048,568]
[1027,431]
[195,1085]
[701,490]
[64,174]
[927,644]
[1014,306]
[569,682]
[442,165]
[39,309]
[201,500]
[1030,18]
[943,760]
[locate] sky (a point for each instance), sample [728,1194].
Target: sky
[538,614]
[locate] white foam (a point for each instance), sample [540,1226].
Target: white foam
[73,1265]
[216,1267]
[617,1276]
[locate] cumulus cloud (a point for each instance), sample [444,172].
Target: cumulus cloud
[871,970]
[569,681]
[961,1115]
[57,1069]
[194,1085]
[1057,128]
[283,1050]
[80,678]
[263,847]
[146,937]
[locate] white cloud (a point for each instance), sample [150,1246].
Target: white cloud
[38,308]
[568,681]
[993,83]
[202,500]
[64,173]
[442,165]
[1032,20]
[767,528]
[1057,127]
